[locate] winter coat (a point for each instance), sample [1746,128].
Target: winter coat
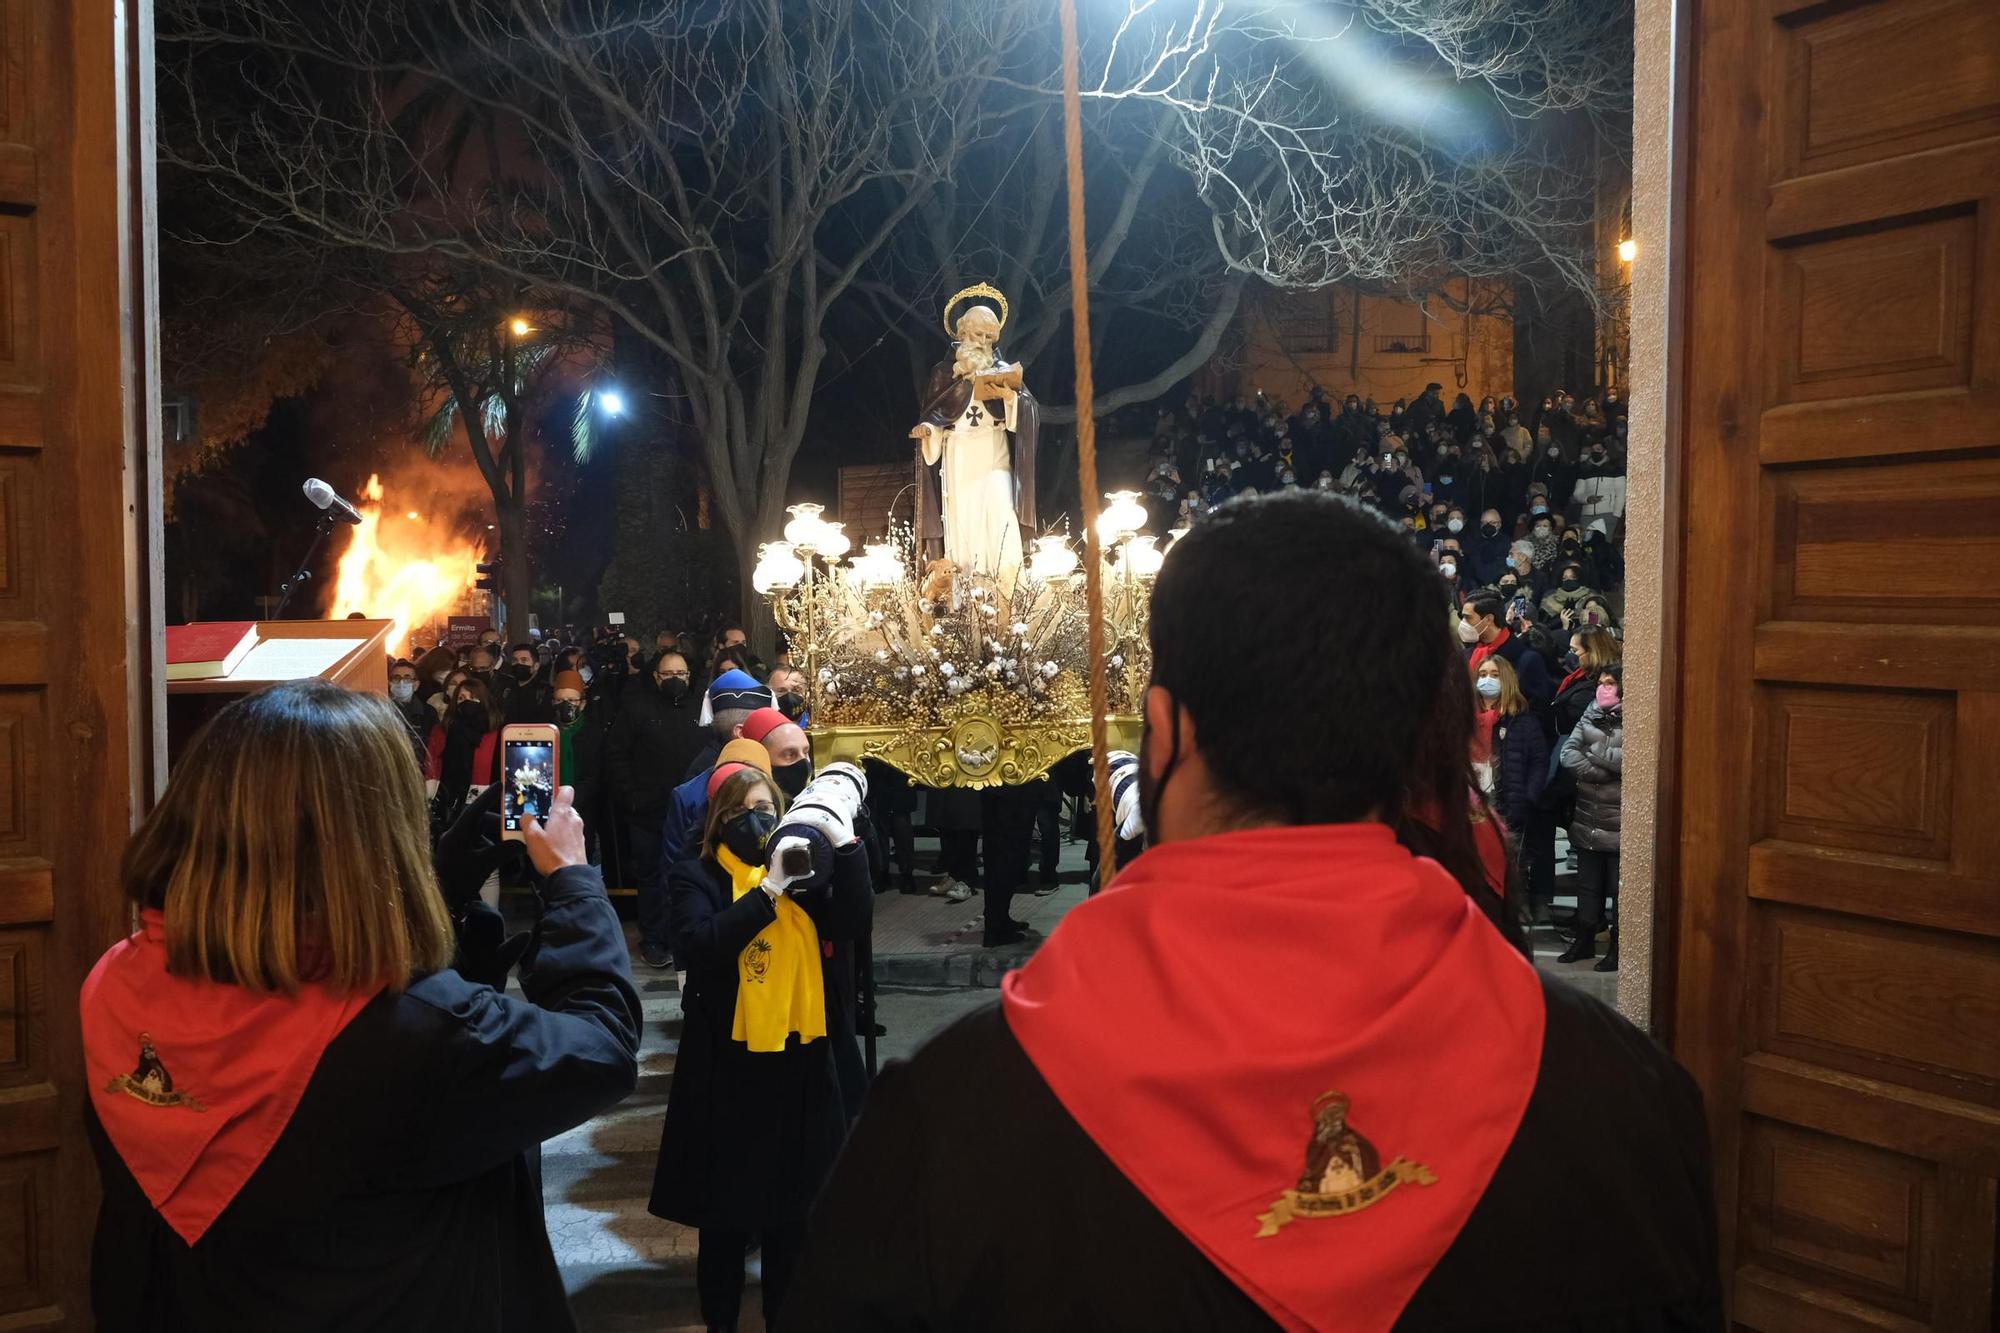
[649,747]
[1608,488]
[750,1136]
[404,1192]
[1560,601]
[1595,752]
[1520,767]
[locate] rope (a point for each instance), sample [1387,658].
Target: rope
[1086,448]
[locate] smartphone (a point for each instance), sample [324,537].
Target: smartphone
[528,769]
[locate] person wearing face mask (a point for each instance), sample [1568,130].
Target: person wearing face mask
[432,669]
[1594,753]
[1484,634]
[1517,749]
[788,687]
[1600,485]
[1486,549]
[755,1113]
[417,715]
[580,755]
[1542,535]
[1273,1015]
[652,741]
[462,756]
[1570,593]
[524,686]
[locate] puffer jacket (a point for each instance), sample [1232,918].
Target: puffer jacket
[1595,751]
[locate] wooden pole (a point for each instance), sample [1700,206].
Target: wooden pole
[1086,448]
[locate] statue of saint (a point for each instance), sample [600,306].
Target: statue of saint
[974,491]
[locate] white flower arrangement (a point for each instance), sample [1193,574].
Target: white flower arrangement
[946,669]
[881,654]
[1049,672]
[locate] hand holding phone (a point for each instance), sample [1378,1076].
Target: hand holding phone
[558,841]
[528,770]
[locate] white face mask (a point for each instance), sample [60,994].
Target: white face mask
[1489,687]
[584,671]
[1466,632]
[1448,569]
[1456,525]
[402,691]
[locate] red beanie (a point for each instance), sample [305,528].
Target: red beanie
[762,723]
[721,774]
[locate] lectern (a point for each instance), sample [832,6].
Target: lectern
[351,653]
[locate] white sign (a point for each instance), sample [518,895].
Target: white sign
[616,618]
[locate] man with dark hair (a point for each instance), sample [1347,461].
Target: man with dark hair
[650,747]
[1482,628]
[1284,1071]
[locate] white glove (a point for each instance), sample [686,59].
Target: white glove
[776,881]
[1125,794]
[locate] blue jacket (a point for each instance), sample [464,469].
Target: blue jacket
[680,831]
[1520,768]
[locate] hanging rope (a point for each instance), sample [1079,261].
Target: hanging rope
[1086,448]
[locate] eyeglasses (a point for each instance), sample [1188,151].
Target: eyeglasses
[764,807]
[675,675]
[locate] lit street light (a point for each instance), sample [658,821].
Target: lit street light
[521,327]
[613,402]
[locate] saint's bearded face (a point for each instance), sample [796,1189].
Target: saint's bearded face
[978,330]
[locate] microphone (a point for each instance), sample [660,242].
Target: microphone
[325,497]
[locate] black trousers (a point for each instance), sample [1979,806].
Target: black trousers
[1048,832]
[902,845]
[1009,815]
[718,1272]
[645,874]
[1596,882]
[959,851]
[1538,852]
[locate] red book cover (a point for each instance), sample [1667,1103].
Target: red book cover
[208,648]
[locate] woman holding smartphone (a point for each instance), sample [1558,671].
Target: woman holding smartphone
[754,1117]
[304,1116]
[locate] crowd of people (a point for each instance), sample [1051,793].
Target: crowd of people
[315,1103]
[1520,509]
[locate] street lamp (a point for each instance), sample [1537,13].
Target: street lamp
[520,327]
[612,401]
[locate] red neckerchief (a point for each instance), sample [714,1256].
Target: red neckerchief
[1481,652]
[1199,1018]
[1572,678]
[1482,734]
[192,1080]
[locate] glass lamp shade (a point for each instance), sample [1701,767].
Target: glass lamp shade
[1053,558]
[876,566]
[833,542]
[805,528]
[778,566]
[1122,516]
[1176,534]
[1142,559]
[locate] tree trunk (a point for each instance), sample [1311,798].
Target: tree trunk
[516,579]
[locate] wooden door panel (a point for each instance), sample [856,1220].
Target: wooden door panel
[1837,985]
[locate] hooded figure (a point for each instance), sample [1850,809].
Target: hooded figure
[962,453]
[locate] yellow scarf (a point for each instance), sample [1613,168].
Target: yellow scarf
[779,986]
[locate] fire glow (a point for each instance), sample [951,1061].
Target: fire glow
[400,567]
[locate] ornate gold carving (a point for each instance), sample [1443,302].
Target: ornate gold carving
[971,751]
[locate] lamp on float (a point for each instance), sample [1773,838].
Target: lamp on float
[806,528]
[1175,534]
[833,541]
[1053,558]
[778,566]
[1122,517]
[877,566]
[1628,250]
[1138,558]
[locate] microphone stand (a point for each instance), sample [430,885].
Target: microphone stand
[303,574]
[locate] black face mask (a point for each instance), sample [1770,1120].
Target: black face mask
[1571,661]
[1570,547]
[673,688]
[568,711]
[522,672]
[1508,589]
[1490,529]
[1571,585]
[792,704]
[1151,787]
[792,778]
[746,835]
[470,713]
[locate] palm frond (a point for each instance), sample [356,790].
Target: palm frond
[436,432]
[583,426]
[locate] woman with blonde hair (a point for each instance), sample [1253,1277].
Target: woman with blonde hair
[755,1115]
[1516,743]
[304,1117]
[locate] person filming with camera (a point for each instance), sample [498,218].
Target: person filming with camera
[311,1104]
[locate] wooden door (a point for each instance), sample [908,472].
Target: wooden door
[1835,832]
[76,591]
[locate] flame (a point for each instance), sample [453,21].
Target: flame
[409,571]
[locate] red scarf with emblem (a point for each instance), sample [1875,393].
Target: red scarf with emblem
[192,1080]
[1241,1016]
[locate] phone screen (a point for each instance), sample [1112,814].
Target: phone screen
[530,782]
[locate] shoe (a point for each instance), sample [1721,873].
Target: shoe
[652,955]
[863,1030]
[1013,933]
[910,886]
[1581,949]
[1609,963]
[1042,885]
[954,891]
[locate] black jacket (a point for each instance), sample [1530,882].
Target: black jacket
[649,746]
[968,1200]
[1520,767]
[749,1136]
[405,1191]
